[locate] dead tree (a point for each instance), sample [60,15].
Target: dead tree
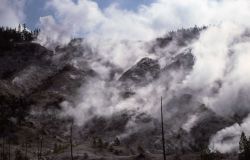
[3,149]
[162,133]
[41,147]
[26,149]
[71,139]
[38,148]
[9,149]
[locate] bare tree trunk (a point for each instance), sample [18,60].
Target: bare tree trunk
[162,133]
[41,147]
[3,149]
[26,149]
[9,149]
[38,150]
[71,145]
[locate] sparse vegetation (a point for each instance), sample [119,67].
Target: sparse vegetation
[117,142]
[244,147]
[10,35]
[207,154]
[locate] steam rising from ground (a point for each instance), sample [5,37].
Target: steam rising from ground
[73,18]
[227,139]
[221,66]
[220,76]
[11,12]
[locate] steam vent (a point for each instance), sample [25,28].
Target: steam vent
[124,80]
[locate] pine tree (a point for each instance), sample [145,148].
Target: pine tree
[24,27]
[244,147]
[117,141]
[163,134]
[242,143]
[71,140]
[19,28]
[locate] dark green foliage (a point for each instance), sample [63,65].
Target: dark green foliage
[8,36]
[244,147]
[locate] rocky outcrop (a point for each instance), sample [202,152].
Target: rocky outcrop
[143,72]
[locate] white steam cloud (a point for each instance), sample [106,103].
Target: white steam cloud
[221,71]
[220,74]
[222,54]
[116,36]
[87,19]
[11,12]
[227,139]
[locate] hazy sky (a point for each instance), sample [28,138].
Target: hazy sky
[126,19]
[34,9]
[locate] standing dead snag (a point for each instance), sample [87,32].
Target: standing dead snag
[26,149]
[162,133]
[41,147]
[3,149]
[9,149]
[37,148]
[71,145]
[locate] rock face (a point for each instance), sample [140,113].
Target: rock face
[143,72]
[184,61]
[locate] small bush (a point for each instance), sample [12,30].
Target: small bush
[117,142]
